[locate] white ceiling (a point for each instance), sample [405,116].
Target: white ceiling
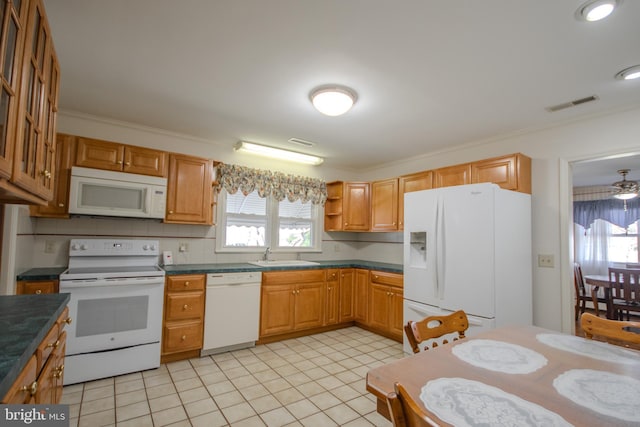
[429,74]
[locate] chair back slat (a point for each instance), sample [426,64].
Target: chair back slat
[578,280]
[435,327]
[624,284]
[404,411]
[627,332]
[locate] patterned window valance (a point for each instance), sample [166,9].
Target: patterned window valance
[610,210]
[277,184]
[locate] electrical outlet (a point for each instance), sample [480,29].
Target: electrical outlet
[183,247]
[49,247]
[545,261]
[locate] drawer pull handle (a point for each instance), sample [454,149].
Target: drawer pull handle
[32,389]
[184,337]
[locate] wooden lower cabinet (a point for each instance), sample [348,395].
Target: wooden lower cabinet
[385,304]
[292,301]
[41,380]
[346,300]
[183,324]
[27,287]
[361,296]
[332,312]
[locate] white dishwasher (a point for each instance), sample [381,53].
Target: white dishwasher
[232,311]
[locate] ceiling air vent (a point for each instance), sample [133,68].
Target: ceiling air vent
[301,142]
[573,103]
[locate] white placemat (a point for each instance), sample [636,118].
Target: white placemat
[590,348]
[463,402]
[499,356]
[607,393]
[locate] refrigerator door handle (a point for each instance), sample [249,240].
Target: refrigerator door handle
[418,308]
[440,261]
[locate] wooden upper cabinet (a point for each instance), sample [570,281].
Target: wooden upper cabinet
[58,207]
[384,205]
[452,175]
[94,153]
[145,161]
[409,183]
[333,206]
[511,172]
[13,22]
[356,206]
[34,151]
[189,190]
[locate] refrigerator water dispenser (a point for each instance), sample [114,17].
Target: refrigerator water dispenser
[418,249]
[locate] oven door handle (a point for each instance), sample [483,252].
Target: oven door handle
[121,281]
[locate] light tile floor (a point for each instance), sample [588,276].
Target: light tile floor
[317,380]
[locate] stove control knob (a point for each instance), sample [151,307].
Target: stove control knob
[145,247]
[153,247]
[75,247]
[84,247]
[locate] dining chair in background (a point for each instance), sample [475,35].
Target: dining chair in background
[623,331]
[624,291]
[582,296]
[435,327]
[404,411]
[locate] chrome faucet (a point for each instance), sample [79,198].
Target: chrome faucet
[265,257]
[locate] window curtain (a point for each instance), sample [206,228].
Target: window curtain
[610,210]
[267,183]
[592,244]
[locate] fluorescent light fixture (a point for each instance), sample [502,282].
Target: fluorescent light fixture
[333,100]
[595,10]
[629,73]
[278,153]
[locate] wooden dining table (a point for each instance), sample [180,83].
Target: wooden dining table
[600,281]
[557,362]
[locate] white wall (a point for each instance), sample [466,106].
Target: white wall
[551,149]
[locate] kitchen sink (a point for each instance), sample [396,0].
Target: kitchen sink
[282,263]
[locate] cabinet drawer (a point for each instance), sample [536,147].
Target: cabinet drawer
[37,287]
[24,386]
[185,283]
[49,343]
[292,276]
[182,337]
[333,275]
[385,278]
[184,306]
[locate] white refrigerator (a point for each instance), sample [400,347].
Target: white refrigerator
[468,248]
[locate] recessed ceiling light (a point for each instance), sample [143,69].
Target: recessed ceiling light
[333,100]
[595,10]
[629,73]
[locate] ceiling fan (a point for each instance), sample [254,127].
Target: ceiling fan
[625,190]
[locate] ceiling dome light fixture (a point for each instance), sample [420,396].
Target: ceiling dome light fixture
[629,73]
[625,190]
[333,100]
[595,10]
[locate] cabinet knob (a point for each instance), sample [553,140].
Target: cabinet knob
[54,345]
[182,338]
[127,164]
[58,372]
[185,307]
[119,162]
[187,283]
[68,320]
[32,388]
[61,205]
[39,291]
[171,212]
[346,223]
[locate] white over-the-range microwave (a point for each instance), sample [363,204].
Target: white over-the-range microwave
[120,194]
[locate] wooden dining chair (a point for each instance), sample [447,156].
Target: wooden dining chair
[435,327]
[623,331]
[404,411]
[624,291]
[582,296]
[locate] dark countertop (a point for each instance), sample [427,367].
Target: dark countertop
[24,322]
[243,266]
[46,273]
